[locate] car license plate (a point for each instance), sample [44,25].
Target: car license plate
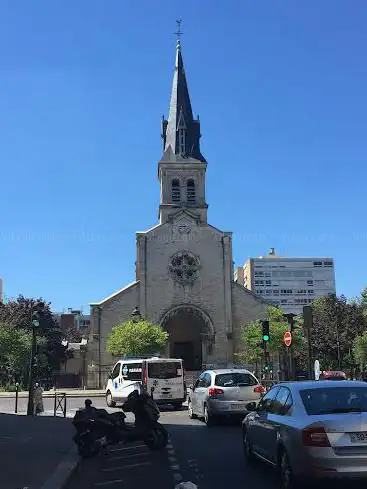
[237,407]
[166,396]
[360,437]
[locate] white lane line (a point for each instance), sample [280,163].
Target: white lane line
[127,448]
[108,482]
[131,466]
[123,457]
[175,467]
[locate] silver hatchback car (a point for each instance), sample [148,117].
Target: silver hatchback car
[310,430]
[223,392]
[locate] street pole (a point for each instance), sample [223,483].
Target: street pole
[34,323]
[308,323]
[30,410]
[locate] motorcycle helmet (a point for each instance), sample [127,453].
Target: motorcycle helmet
[88,403]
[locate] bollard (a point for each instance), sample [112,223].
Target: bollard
[65,406]
[16,396]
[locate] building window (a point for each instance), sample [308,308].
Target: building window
[176,191]
[309,282]
[184,267]
[259,274]
[190,188]
[276,291]
[317,263]
[267,282]
[328,263]
[310,291]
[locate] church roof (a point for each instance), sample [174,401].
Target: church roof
[181,132]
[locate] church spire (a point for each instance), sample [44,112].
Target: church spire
[181,132]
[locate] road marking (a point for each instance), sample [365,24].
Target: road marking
[108,482]
[131,466]
[122,457]
[175,467]
[127,448]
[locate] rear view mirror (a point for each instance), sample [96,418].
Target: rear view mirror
[251,406]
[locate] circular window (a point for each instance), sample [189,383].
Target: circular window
[184,267]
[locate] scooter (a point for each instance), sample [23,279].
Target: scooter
[96,428]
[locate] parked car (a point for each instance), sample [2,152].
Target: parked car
[223,392]
[312,429]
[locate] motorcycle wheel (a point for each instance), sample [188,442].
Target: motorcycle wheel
[88,448]
[159,438]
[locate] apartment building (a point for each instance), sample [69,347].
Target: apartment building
[288,282]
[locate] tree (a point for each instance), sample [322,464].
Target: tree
[50,352]
[336,324]
[360,350]
[14,354]
[363,302]
[252,337]
[136,339]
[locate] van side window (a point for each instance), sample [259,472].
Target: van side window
[116,371]
[132,371]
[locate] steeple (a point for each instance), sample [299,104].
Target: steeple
[181,132]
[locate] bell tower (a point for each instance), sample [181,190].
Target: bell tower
[182,168]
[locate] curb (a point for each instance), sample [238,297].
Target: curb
[48,395]
[64,471]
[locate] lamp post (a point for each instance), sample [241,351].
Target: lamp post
[135,315]
[34,323]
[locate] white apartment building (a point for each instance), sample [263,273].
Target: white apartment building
[290,283]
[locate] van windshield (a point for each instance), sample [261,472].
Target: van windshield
[164,370]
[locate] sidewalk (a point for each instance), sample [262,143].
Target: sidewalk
[35,452]
[51,393]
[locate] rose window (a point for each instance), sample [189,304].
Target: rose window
[184,267]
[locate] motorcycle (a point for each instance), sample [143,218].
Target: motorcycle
[96,428]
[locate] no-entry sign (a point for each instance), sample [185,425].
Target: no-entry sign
[287,338]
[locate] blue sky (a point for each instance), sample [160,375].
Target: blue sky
[280,87]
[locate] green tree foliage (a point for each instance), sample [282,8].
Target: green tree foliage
[14,354]
[252,337]
[360,349]
[136,339]
[336,324]
[50,353]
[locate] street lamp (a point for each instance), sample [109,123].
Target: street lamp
[34,323]
[135,315]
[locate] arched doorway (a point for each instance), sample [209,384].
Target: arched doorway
[191,335]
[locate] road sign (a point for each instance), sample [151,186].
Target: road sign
[287,338]
[317,370]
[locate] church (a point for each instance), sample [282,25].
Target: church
[184,265]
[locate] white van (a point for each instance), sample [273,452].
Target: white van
[163,378]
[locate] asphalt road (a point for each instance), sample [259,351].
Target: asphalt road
[212,458]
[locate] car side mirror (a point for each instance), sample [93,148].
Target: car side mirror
[251,406]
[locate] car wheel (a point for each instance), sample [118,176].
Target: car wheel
[287,480]
[190,411]
[249,454]
[109,400]
[208,418]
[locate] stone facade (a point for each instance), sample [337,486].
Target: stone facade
[184,267]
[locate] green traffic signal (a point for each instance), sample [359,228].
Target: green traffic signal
[265,337]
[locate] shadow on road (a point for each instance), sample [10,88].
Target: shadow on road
[40,443]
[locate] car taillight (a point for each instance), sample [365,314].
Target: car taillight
[214,392]
[259,389]
[315,437]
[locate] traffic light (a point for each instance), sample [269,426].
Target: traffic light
[266,330]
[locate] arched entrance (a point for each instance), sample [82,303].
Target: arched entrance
[191,335]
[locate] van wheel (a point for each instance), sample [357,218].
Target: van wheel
[109,400]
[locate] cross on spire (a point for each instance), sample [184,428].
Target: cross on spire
[178,32]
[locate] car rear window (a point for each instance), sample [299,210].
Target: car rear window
[334,400]
[235,379]
[164,370]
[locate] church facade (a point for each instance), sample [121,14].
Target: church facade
[184,266]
